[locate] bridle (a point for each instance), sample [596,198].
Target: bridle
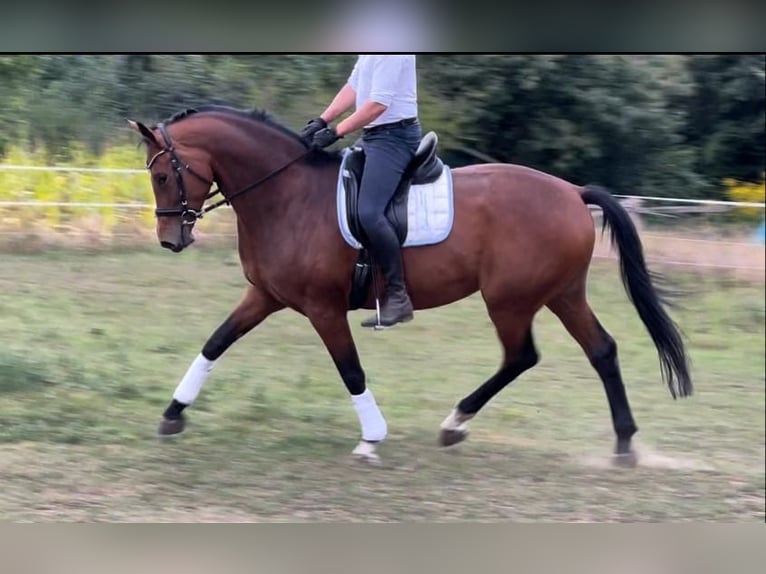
[188,215]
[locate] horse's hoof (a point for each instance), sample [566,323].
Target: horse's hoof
[627,459]
[171,426]
[624,455]
[454,428]
[365,452]
[448,437]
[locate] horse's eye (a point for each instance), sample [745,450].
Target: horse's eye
[161,178]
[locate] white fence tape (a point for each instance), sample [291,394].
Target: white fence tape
[8,167]
[732,204]
[695,201]
[73,204]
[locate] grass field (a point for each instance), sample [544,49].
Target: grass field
[93,345]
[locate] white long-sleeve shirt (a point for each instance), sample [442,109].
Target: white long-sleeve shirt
[387,79]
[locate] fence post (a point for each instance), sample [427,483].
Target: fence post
[760,235]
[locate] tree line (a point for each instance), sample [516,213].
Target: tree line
[671,125]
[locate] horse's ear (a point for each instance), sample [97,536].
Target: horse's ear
[145,132]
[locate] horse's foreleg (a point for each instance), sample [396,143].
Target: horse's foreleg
[335,333]
[254,307]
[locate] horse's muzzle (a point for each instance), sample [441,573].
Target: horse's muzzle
[174,247]
[186,239]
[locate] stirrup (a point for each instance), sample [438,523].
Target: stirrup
[378,324]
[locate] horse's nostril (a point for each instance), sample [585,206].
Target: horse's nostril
[172,246]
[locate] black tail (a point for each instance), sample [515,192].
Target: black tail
[638,284]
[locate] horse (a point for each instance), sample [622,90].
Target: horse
[520,237]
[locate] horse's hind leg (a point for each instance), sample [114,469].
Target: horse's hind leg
[601,349]
[520,354]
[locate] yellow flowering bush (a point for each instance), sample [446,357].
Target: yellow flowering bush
[74,187]
[748,193]
[85,225]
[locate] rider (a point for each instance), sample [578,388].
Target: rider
[384,92]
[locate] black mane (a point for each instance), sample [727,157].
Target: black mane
[258,115]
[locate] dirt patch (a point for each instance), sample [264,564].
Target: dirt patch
[737,257]
[706,249]
[648,458]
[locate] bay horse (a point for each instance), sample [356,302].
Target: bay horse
[521,237]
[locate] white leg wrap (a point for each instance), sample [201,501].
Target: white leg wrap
[373,424]
[189,387]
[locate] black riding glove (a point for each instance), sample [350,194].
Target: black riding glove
[312,127]
[324,138]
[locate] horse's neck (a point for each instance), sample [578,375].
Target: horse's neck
[240,164]
[283,205]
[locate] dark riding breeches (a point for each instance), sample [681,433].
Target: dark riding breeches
[388,151]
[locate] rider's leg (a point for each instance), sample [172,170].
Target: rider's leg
[387,154]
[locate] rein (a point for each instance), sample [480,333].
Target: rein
[188,215]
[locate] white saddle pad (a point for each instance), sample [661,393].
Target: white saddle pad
[430,211]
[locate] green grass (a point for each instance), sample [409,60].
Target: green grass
[93,345]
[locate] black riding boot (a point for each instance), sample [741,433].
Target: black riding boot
[396,306]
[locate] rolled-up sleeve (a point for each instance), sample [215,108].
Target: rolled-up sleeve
[385,78]
[353,78]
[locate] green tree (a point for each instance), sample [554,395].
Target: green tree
[14,74]
[727,116]
[651,124]
[604,119]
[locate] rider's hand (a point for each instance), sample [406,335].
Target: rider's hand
[312,127]
[324,138]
